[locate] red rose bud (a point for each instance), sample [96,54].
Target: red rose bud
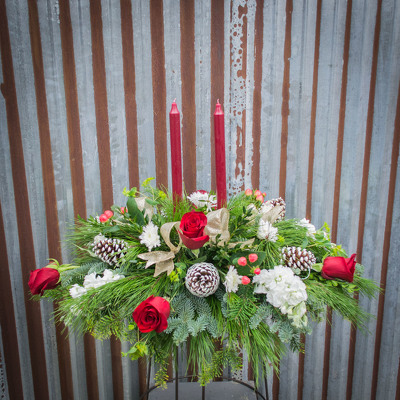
[339,267]
[245,280]
[152,315]
[257,271]
[103,218]
[257,193]
[242,261]
[108,213]
[192,230]
[43,279]
[123,210]
[264,194]
[253,257]
[248,192]
[260,198]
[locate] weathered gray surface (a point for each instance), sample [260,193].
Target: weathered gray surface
[238,98]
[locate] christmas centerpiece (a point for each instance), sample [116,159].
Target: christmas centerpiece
[170,268]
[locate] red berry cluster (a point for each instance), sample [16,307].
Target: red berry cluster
[242,261]
[257,193]
[106,216]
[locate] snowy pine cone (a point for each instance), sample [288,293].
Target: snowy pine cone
[110,250]
[296,257]
[270,204]
[202,279]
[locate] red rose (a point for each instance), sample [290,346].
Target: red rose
[192,230]
[152,314]
[43,279]
[339,267]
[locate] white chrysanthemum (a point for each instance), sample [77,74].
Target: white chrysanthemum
[77,291]
[267,232]
[150,237]
[284,290]
[201,198]
[232,280]
[310,227]
[92,281]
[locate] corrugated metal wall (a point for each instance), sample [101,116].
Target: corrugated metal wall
[310,90]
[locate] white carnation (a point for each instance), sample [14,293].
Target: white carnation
[267,232]
[77,291]
[150,237]
[284,290]
[232,280]
[203,199]
[310,227]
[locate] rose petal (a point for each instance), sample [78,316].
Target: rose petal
[195,243]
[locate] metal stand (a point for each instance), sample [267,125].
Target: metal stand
[203,389]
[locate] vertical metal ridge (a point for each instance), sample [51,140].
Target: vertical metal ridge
[241,130]
[188,94]
[398,382]
[284,132]
[76,164]
[335,216]
[100,102]
[310,174]
[103,144]
[217,70]
[257,101]
[159,91]
[25,235]
[285,97]
[53,233]
[364,184]
[7,321]
[386,247]
[130,91]
[313,111]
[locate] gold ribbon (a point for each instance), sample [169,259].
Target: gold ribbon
[272,214]
[217,224]
[163,259]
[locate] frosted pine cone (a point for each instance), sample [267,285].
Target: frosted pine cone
[110,250]
[296,257]
[202,279]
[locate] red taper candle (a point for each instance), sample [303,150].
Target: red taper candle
[219,135]
[176,153]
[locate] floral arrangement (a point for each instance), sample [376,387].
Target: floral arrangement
[163,271]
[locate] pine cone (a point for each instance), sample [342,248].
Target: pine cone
[296,257]
[202,279]
[110,250]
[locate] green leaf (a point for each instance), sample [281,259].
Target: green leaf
[134,211]
[151,202]
[111,229]
[317,267]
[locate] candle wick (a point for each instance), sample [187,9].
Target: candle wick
[174,100]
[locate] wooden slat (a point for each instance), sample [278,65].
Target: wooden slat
[386,247]
[364,185]
[257,99]
[217,71]
[7,321]
[188,94]
[27,252]
[76,164]
[53,233]
[130,91]
[159,91]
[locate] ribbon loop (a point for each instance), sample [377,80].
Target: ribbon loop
[217,224]
[163,259]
